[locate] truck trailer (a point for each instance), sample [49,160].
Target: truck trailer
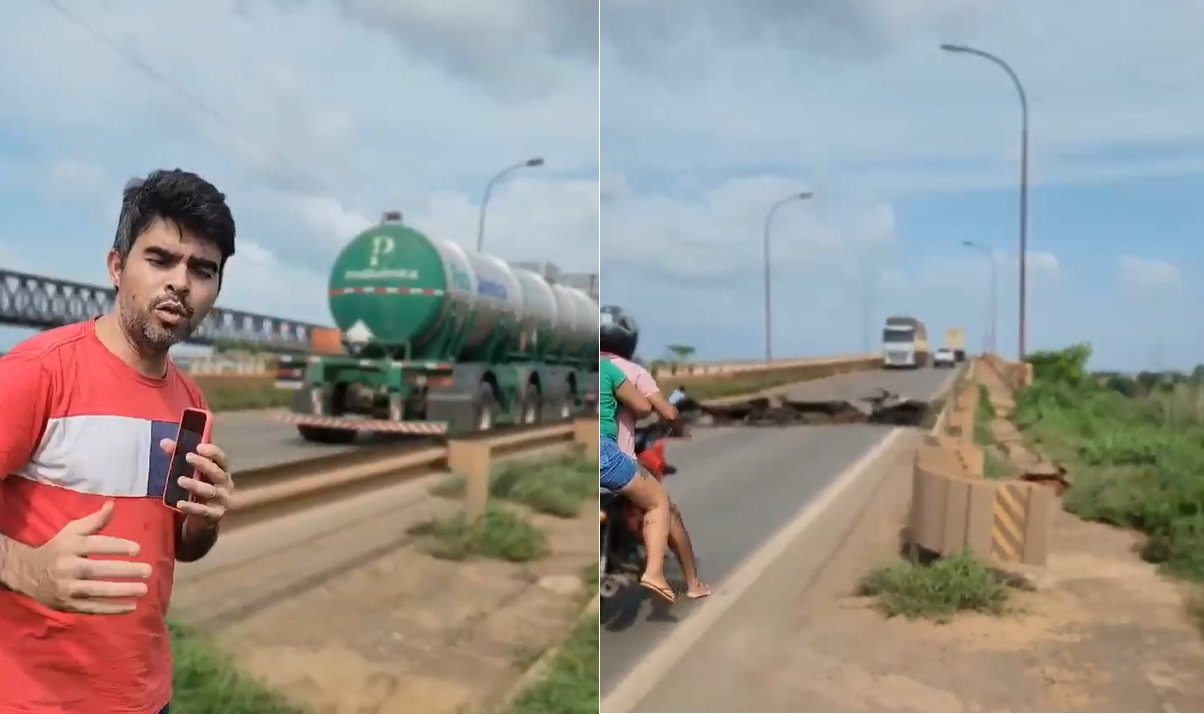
[904,342]
[441,340]
[955,340]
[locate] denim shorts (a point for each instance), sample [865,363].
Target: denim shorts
[615,469]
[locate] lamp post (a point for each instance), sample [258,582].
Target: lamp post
[768,313]
[529,163]
[994,295]
[1023,174]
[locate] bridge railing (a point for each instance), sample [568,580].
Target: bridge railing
[708,369]
[42,302]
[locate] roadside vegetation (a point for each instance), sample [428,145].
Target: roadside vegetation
[237,393]
[557,487]
[570,683]
[935,591]
[994,464]
[1134,447]
[500,533]
[570,686]
[205,682]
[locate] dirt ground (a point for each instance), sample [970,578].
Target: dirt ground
[1100,631]
[405,632]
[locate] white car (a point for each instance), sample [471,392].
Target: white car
[943,357]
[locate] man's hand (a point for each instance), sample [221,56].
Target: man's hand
[61,575]
[212,490]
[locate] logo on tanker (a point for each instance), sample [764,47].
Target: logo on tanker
[383,246]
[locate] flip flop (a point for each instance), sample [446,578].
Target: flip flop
[708,593]
[665,594]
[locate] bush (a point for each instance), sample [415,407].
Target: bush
[1136,452]
[937,590]
[499,534]
[553,486]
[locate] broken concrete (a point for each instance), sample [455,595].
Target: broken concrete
[879,407]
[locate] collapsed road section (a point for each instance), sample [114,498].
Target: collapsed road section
[882,406]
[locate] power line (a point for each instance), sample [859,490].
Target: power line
[188,96]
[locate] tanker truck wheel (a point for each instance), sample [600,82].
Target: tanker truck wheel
[532,412]
[486,407]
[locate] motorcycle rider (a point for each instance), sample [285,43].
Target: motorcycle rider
[618,335]
[621,473]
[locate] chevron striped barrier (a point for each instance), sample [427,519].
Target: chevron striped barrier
[954,508]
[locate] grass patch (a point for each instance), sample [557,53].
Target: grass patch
[935,591]
[1135,451]
[554,486]
[499,533]
[994,466]
[237,393]
[984,416]
[570,685]
[204,682]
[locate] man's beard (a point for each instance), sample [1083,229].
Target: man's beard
[146,333]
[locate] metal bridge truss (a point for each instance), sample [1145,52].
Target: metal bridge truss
[41,302]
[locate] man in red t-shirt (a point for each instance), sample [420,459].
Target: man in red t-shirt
[87,547]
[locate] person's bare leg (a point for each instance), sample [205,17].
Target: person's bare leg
[650,497]
[683,549]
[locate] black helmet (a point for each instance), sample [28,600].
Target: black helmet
[618,332]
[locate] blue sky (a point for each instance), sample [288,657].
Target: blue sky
[329,113]
[713,111]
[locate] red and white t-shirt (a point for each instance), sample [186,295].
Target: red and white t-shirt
[78,427]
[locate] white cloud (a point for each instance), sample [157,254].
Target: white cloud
[313,117]
[863,84]
[854,99]
[1038,260]
[1141,272]
[718,234]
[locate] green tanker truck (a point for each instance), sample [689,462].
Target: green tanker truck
[443,340]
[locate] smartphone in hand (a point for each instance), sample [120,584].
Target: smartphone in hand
[195,428]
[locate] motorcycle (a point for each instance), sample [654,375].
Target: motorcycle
[621,545]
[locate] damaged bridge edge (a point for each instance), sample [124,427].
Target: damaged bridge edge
[880,407]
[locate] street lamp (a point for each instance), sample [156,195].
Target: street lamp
[1023,174]
[529,163]
[994,310]
[769,217]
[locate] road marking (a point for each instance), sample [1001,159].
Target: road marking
[644,675]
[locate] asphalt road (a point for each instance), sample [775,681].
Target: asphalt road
[736,487]
[252,440]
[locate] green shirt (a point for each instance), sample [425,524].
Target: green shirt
[609,379]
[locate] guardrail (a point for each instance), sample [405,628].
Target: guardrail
[268,365]
[954,508]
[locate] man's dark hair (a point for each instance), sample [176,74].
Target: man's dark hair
[178,196]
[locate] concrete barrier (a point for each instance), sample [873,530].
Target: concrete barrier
[1015,375]
[472,458]
[955,509]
